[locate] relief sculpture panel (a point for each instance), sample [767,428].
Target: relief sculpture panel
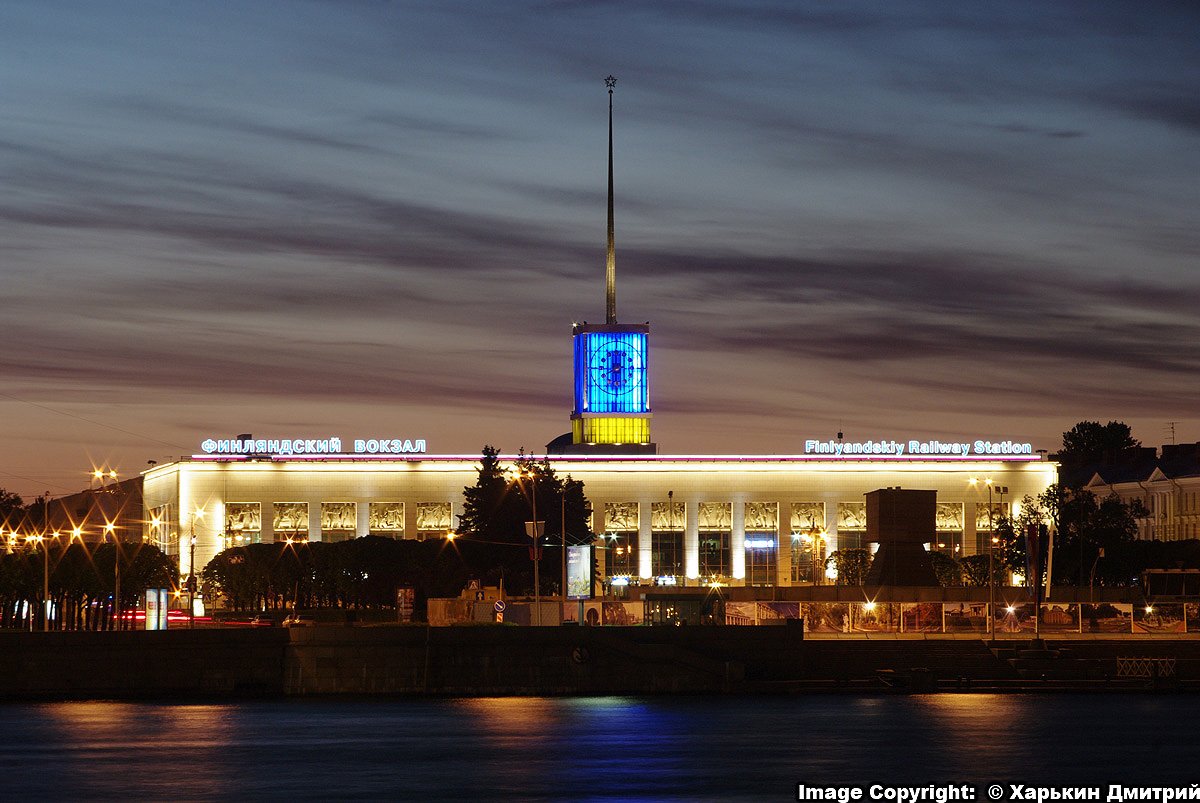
[949,517]
[620,516]
[291,518]
[852,515]
[984,523]
[808,516]
[762,517]
[434,516]
[386,518]
[663,519]
[716,516]
[341,517]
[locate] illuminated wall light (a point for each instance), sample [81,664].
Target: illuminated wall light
[619,581]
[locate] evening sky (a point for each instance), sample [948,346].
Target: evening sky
[366,219]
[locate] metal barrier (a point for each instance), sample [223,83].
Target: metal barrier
[1145,667]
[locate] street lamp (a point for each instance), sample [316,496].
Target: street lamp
[111,529]
[40,538]
[562,526]
[197,513]
[1092,579]
[815,538]
[533,531]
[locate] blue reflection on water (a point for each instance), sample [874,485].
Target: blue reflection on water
[592,748]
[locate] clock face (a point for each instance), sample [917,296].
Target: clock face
[615,370]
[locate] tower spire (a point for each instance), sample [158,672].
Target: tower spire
[610,268]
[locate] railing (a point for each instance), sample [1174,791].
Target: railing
[1145,667]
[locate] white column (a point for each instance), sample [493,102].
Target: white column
[783,541]
[362,518]
[691,539]
[314,521]
[831,532]
[644,542]
[737,541]
[267,513]
[970,513]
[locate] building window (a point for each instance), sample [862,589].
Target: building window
[948,523]
[852,525]
[808,541]
[667,521]
[160,527]
[622,554]
[761,542]
[386,519]
[986,521]
[243,523]
[290,520]
[716,537]
[339,521]
[621,524]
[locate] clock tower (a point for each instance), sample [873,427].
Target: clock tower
[612,365]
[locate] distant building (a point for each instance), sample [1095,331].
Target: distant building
[1166,480]
[99,513]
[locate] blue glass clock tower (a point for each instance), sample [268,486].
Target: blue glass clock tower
[612,365]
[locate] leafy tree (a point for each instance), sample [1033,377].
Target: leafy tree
[975,570]
[1090,442]
[81,582]
[948,572]
[496,508]
[851,565]
[12,508]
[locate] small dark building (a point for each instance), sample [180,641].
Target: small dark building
[901,521]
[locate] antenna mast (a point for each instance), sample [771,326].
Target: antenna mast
[610,268]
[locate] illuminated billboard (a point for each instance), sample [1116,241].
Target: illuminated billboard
[579,572]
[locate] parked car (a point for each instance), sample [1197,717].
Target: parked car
[300,620]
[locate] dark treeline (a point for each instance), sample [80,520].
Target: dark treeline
[359,573]
[364,573]
[82,580]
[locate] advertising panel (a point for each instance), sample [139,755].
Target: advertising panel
[405,601]
[579,572]
[964,617]
[156,608]
[1159,618]
[1107,617]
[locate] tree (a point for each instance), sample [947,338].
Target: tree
[975,570]
[948,572]
[1092,442]
[496,508]
[12,508]
[851,565]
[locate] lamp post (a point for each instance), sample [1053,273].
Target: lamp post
[197,513]
[537,586]
[1092,579]
[671,526]
[563,527]
[533,531]
[111,529]
[815,537]
[41,539]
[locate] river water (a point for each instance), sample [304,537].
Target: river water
[611,748]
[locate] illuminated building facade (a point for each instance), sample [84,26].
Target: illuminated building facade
[663,519]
